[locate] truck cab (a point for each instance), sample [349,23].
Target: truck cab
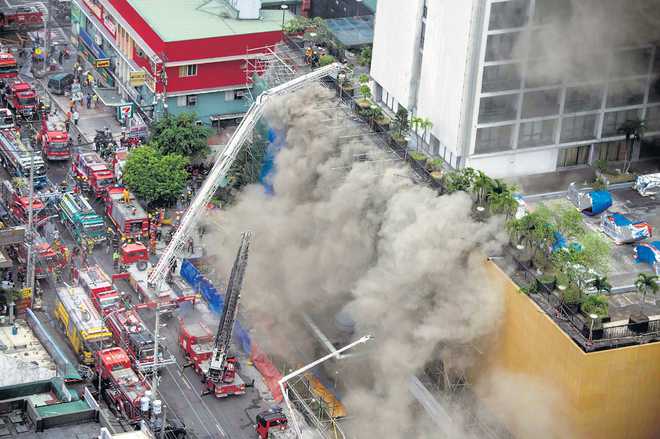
[23,99]
[8,66]
[271,422]
[54,140]
[135,253]
[7,120]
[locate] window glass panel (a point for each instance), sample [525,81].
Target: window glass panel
[612,151]
[653,119]
[493,139]
[575,156]
[654,90]
[623,93]
[548,11]
[501,47]
[509,14]
[501,77]
[578,128]
[538,133]
[614,119]
[585,98]
[540,103]
[498,108]
[650,147]
[538,75]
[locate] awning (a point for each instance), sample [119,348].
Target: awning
[217,117]
[110,97]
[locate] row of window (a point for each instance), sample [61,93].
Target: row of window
[578,99]
[191,100]
[609,151]
[573,129]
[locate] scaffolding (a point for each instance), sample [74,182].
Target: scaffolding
[270,66]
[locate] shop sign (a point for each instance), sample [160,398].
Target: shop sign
[124,112]
[101,63]
[136,79]
[94,7]
[25,293]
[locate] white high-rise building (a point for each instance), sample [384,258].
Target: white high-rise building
[480,71]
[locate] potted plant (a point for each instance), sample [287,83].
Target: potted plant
[381,122]
[365,91]
[401,127]
[595,308]
[436,168]
[645,283]
[345,80]
[547,281]
[326,60]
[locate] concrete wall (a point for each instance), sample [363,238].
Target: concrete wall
[209,104]
[395,45]
[524,162]
[444,68]
[606,394]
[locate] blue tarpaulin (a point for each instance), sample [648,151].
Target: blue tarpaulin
[600,202]
[275,143]
[215,300]
[647,252]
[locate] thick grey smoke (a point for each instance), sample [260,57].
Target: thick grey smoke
[360,236]
[583,40]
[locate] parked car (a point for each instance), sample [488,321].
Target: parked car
[60,83]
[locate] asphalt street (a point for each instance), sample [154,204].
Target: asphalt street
[207,416]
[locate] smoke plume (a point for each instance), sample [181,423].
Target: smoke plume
[362,237]
[583,40]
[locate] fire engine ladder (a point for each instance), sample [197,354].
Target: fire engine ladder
[223,163]
[230,310]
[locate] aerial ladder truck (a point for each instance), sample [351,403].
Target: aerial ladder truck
[223,163]
[211,358]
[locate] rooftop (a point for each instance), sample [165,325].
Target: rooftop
[352,31]
[23,352]
[195,19]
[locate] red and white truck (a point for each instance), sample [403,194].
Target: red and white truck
[131,334]
[122,387]
[21,19]
[98,285]
[125,212]
[17,203]
[23,99]
[8,66]
[94,173]
[54,140]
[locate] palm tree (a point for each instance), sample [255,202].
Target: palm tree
[646,283]
[426,125]
[416,123]
[481,186]
[602,285]
[633,129]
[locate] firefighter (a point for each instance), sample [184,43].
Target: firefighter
[115,260]
[126,196]
[90,245]
[308,55]
[152,246]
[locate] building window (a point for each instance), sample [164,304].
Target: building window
[422,37]
[652,119]
[578,128]
[239,94]
[575,156]
[498,108]
[614,119]
[500,78]
[585,98]
[493,139]
[500,47]
[538,75]
[650,147]
[181,101]
[538,133]
[612,151]
[624,93]
[540,103]
[509,14]
[189,70]
[191,100]
[549,11]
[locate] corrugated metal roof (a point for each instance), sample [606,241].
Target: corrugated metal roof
[194,19]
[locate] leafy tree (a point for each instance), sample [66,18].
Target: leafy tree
[481,186]
[633,129]
[180,135]
[157,179]
[595,304]
[365,91]
[646,283]
[461,180]
[365,56]
[401,124]
[602,285]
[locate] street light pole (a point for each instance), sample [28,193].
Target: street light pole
[47,38]
[154,371]
[284,8]
[304,369]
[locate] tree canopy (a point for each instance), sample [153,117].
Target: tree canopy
[157,179]
[180,135]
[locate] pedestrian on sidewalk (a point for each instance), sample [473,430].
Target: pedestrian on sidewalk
[115,261]
[76,116]
[72,105]
[95,100]
[88,100]
[67,121]
[90,79]
[60,57]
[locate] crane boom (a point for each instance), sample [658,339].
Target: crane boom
[230,310]
[223,163]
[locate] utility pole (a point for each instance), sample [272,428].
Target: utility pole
[154,371]
[30,235]
[163,423]
[47,39]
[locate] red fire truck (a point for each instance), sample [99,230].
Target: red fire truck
[48,258]
[273,424]
[54,140]
[126,214]
[131,334]
[8,66]
[122,387]
[98,285]
[21,19]
[23,99]
[93,172]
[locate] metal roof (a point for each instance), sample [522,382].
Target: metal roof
[81,310]
[194,19]
[352,31]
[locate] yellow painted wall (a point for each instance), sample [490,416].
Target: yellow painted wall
[606,394]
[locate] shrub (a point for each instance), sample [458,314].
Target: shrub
[595,304]
[326,60]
